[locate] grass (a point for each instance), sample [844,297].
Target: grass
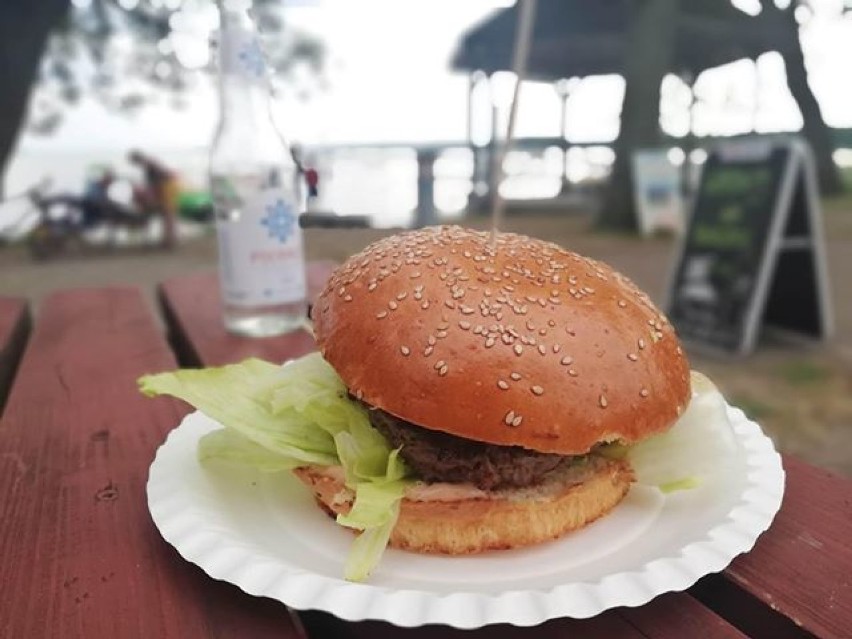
[754,408]
[803,372]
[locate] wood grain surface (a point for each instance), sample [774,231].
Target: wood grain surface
[192,307]
[14,330]
[79,555]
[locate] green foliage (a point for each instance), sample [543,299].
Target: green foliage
[753,407]
[802,372]
[129,53]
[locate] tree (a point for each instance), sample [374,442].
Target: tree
[649,50]
[648,59]
[24,30]
[782,22]
[125,53]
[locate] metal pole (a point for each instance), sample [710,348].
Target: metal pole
[523,36]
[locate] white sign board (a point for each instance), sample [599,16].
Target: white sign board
[657,192]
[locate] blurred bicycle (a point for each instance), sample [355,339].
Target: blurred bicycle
[53,224]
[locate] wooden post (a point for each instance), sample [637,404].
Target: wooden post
[425,214]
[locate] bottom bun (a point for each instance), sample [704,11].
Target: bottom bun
[458,519]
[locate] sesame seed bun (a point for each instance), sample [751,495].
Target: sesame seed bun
[457,523]
[523,344]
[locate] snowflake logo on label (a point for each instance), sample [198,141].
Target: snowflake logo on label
[251,58]
[279,221]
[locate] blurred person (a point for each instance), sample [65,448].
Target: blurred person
[160,193]
[312,180]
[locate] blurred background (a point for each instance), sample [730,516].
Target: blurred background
[399,108]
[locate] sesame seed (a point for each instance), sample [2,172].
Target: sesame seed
[359,394]
[425,304]
[381,314]
[622,303]
[509,418]
[517,421]
[428,351]
[440,364]
[372,286]
[441,334]
[551,323]
[418,295]
[650,322]
[341,291]
[644,392]
[431,340]
[542,349]
[348,298]
[603,401]
[537,390]
[449,304]
[415,275]
[632,357]
[502,384]
[641,343]
[489,342]
[567,360]
[515,376]
[443,370]
[405,350]
[507,339]
[572,372]
[518,349]
[464,325]
[444,325]
[392,305]
[556,348]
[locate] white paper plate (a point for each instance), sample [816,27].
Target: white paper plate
[263,533]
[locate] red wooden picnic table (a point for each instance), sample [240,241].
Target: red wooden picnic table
[80,556]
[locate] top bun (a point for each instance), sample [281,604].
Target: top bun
[520,343]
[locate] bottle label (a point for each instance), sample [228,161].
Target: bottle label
[261,259]
[243,56]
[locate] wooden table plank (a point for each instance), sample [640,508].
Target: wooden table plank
[80,556]
[800,570]
[670,616]
[14,329]
[192,308]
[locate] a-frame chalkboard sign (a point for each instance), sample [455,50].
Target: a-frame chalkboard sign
[753,254]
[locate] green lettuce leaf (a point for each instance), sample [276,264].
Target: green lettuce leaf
[367,549]
[701,447]
[228,446]
[238,396]
[278,418]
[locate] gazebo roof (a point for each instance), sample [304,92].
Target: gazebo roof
[587,37]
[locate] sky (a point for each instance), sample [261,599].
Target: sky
[389,80]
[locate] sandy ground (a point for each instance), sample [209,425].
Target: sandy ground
[801,394]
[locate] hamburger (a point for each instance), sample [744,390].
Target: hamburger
[505,370]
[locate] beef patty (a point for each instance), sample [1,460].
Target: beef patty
[436,456]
